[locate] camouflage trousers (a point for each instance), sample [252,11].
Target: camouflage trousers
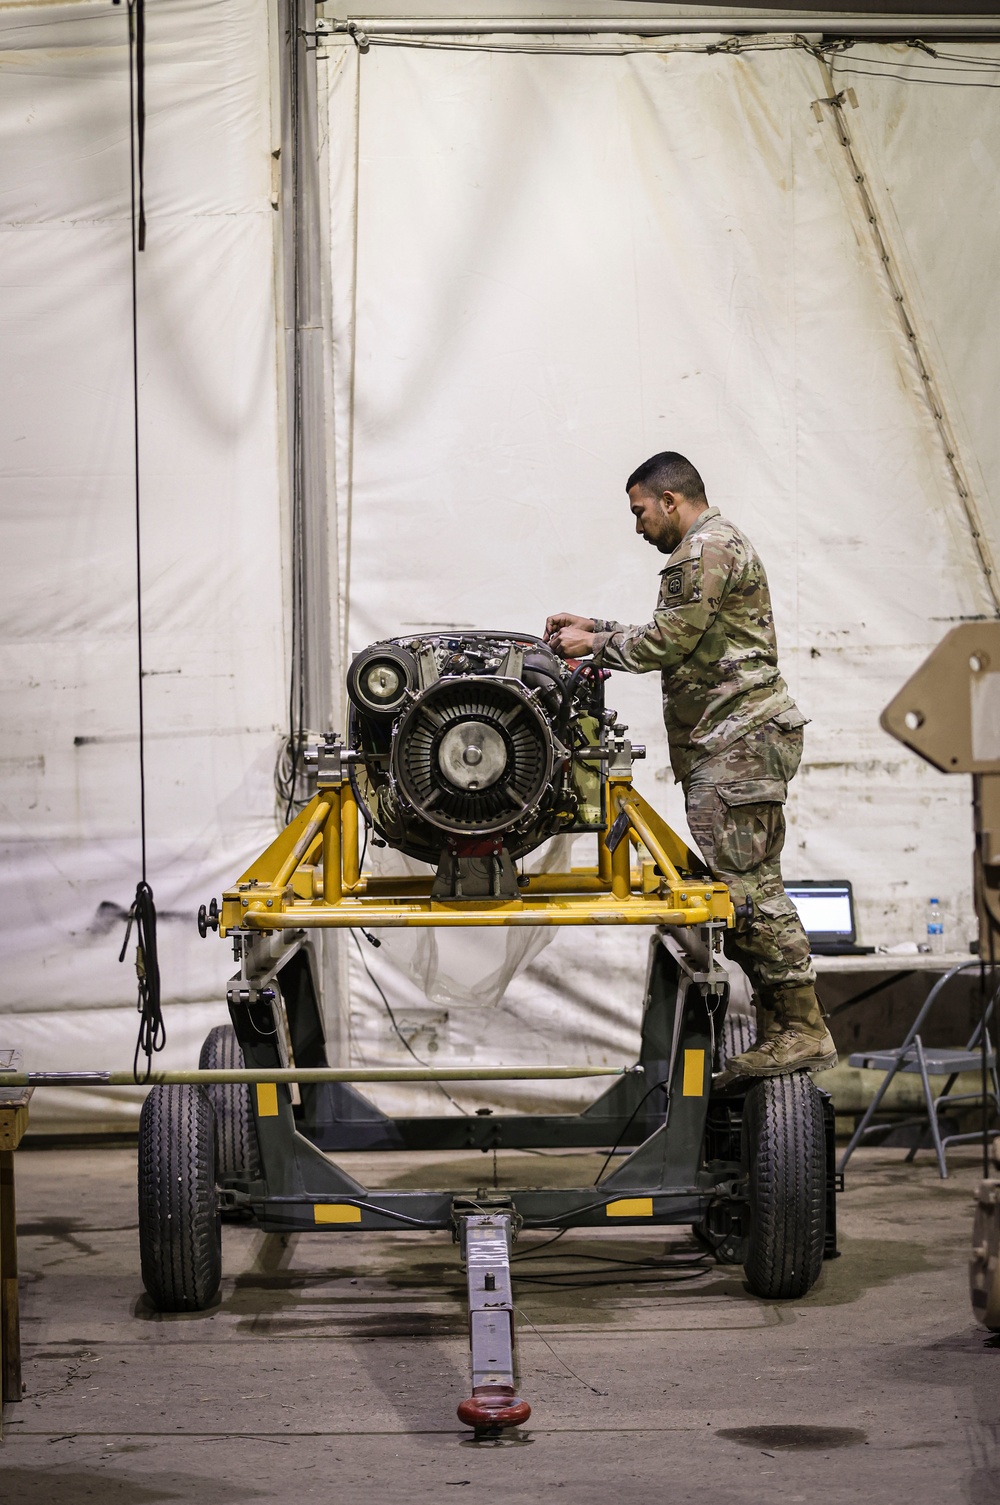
[735,809]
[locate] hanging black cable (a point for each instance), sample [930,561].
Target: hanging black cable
[139,8]
[631,1120]
[392,1017]
[137,108]
[152,1034]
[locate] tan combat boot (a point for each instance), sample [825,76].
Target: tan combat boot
[768,1022]
[801,1043]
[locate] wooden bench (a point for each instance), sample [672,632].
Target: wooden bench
[13,1122]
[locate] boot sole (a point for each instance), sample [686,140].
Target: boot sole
[818,1063]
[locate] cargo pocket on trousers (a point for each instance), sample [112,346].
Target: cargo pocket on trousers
[781,920]
[779,909]
[754,822]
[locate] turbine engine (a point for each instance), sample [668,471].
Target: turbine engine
[474,748]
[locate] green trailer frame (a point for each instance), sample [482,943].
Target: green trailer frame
[689,1150]
[685,1163]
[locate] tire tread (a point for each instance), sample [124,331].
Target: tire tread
[180,1246]
[236,1129]
[738,1033]
[785,1149]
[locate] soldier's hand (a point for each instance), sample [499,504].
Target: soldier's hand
[562,619]
[570,636]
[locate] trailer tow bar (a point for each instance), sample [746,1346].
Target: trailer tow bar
[485,1239]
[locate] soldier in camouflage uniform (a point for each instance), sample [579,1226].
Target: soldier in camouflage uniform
[735,738]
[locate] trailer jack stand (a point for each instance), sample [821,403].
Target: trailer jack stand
[494,1403]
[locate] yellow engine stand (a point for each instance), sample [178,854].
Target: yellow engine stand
[309,877]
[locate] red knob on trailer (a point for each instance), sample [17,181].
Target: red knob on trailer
[493,1406]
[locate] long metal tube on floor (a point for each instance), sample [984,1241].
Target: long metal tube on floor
[307,1074]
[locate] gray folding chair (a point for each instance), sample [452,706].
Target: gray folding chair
[915,1058]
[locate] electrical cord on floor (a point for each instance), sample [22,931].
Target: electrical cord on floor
[690,1268]
[579,1377]
[651,1272]
[621,1264]
[388,1008]
[530,1253]
[558,1282]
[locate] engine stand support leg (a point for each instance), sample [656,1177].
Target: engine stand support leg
[494,1402]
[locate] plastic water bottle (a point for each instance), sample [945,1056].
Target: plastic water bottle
[935,927]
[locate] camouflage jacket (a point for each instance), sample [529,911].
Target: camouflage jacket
[712,639]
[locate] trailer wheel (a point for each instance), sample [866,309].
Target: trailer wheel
[784,1152]
[738,1033]
[180,1238]
[235,1127]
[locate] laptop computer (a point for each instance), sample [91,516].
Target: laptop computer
[826,909]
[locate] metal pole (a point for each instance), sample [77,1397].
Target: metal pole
[302,846]
[309,1074]
[805,24]
[333,862]
[649,841]
[307,407]
[349,846]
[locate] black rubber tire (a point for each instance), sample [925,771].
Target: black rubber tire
[738,1033]
[180,1236]
[236,1130]
[784,1150]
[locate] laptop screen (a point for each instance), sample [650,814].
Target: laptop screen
[825,909]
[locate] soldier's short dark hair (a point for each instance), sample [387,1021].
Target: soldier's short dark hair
[668,471]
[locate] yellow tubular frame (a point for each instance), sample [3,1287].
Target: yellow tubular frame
[309,877]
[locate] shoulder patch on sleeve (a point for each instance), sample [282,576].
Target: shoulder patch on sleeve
[680,583]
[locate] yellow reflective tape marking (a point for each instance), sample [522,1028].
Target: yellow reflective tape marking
[336,1212]
[267,1100]
[694,1073]
[630,1207]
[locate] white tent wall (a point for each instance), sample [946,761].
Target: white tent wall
[931,153]
[211,518]
[926,138]
[565,262]
[542,266]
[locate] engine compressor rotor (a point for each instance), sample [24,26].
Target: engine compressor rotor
[474,756]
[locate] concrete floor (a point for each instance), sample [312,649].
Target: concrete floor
[331,1367]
